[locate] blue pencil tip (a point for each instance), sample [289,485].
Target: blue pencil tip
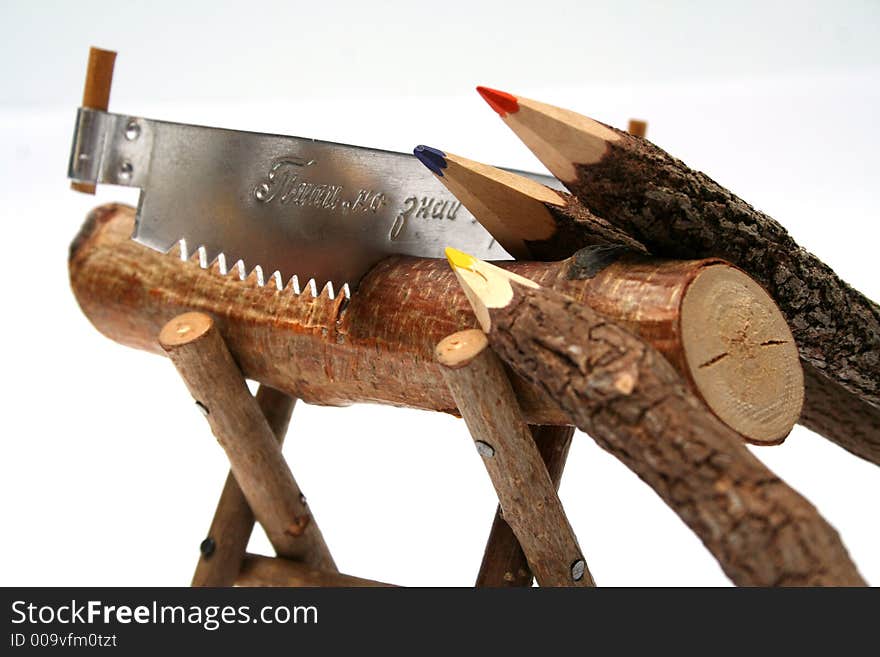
[432,158]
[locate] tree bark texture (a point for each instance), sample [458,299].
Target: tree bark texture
[681,213]
[504,563]
[224,547]
[631,401]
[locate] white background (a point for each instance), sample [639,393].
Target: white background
[109,475]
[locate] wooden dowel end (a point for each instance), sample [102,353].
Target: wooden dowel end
[96,93]
[637,128]
[200,355]
[525,491]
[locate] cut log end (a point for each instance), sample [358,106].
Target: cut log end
[741,355]
[460,349]
[184,329]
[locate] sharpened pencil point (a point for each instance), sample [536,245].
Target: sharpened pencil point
[432,158]
[500,101]
[459,259]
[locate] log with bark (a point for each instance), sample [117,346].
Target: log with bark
[677,212]
[379,346]
[504,562]
[209,371]
[224,547]
[526,493]
[632,402]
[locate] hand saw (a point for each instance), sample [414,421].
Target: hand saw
[297,211]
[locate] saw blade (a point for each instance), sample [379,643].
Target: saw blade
[296,211]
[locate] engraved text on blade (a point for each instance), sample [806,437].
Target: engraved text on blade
[285,184]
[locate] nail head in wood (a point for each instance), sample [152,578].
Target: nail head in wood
[207,546]
[484,449]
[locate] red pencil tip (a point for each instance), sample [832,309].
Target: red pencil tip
[500,101]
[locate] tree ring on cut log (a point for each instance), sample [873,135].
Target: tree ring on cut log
[741,355]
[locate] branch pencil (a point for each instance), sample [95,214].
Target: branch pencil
[630,400]
[530,220]
[678,212]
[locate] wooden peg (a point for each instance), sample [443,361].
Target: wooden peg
[504,562]
[224,548]
[196,348]
[258,570]
[637,128]
[96,93]
[525,491]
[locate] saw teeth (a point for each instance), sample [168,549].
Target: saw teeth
[258,272]
[219,263]
[240,269]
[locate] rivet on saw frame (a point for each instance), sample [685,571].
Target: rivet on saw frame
[125,171]
[132,130]
[484,449]
[578,568]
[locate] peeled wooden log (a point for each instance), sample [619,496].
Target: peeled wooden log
[379,346]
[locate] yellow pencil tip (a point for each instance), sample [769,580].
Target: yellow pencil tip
[459,259]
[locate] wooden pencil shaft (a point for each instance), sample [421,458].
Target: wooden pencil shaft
[403,307]
[96,93]
[527,496]
[678,212]
[225,545]
[631,401]
[200,355]
[504,562]
[257,570]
